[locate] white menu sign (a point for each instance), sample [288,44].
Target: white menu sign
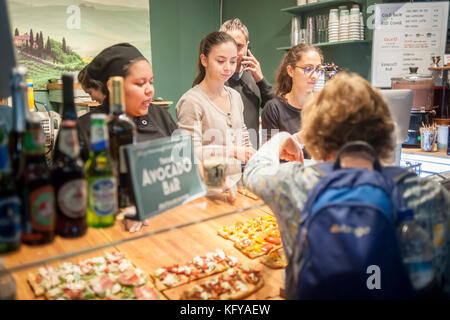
[407,35]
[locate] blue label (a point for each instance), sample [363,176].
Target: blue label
[10,220]
[104,196]
[3,158]
[423,266]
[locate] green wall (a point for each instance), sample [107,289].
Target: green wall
[177,26]
[270,28]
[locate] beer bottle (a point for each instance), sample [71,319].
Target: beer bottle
[38,214]
[102,187]
[10,204]
[68,176]
[122,131]
[19,109]
[69,113]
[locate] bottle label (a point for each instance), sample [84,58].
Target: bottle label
[99,137]
[72,198]
[68,143]
[4,157]
[421,273]
[34,141]
[104,196]
[42,203]
[438,235]
[10,220]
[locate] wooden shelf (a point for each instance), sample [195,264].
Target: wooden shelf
[329,44]
[59,86]
[319,5]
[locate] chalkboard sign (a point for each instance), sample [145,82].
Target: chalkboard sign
[163,174]
[407,35]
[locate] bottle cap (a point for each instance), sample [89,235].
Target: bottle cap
[406,215]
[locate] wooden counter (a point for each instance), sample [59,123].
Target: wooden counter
[157,245]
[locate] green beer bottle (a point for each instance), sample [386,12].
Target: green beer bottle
[102,185]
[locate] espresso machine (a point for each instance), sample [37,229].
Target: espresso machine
[441,92]
[422,111]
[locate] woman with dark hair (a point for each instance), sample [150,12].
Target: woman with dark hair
[94,88]
[211,111]
[125,60]
[295,80]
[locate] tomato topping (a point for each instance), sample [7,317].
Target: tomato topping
[106,270]
[245,242]
[274,240]
[73,294]
[38,279]
[144,293]
[266,248]
[128,278]
[245,231]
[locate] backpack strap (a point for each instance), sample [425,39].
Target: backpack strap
[355,146]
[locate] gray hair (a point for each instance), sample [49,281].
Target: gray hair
[235,24]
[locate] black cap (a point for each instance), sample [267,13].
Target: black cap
[111,61]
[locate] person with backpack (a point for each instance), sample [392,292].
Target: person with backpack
[338,217]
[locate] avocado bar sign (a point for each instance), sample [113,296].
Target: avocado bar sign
[163,174]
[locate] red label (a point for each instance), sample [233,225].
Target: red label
[42,204]
[72,198]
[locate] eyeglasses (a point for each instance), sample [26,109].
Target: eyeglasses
[309,71]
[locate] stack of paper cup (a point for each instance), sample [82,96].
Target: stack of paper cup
[343,24]
[354,30]
[320,83]
[295,30]
[333,26]
[361,26]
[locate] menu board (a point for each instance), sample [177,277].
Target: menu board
[163,174]
[407,35]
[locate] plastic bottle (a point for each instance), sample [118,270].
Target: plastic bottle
[417,251]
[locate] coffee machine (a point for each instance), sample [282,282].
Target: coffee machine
[422,111]
[441,92]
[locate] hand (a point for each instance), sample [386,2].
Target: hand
[290,150]
[244,153]
[298,137]
[133,225]
[251,64]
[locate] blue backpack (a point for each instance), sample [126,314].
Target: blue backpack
[348,247]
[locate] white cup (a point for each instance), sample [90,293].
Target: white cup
[442,138]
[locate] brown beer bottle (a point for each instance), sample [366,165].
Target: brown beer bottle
[68,175]
[38,215]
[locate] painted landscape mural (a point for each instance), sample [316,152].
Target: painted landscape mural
[53,37]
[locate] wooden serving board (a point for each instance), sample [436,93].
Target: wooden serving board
[150,253]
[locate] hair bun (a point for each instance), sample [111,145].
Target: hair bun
[111,61]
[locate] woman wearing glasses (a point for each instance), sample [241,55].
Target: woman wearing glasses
[295,80]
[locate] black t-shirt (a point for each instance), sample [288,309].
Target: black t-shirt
[279,115]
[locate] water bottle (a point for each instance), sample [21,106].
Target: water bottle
[417,251]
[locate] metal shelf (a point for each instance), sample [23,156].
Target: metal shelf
[330,44]
[319,5]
